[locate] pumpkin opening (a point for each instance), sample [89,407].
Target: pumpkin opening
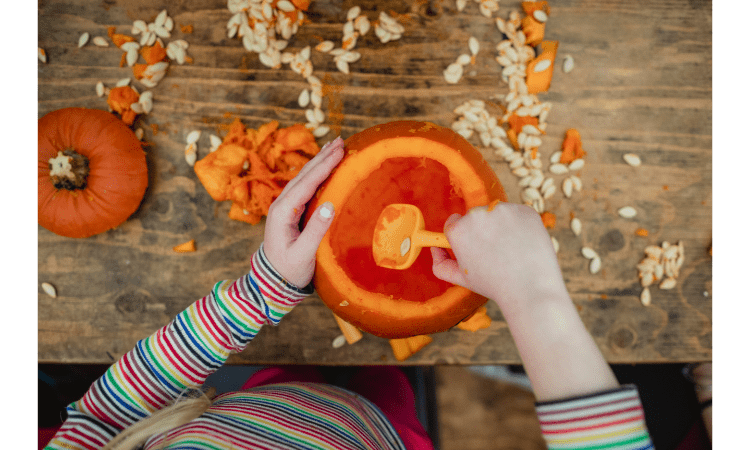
[69,170]
[418,181]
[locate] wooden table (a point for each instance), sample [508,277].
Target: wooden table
[641,84]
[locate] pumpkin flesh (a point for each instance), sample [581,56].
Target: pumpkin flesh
[419,163]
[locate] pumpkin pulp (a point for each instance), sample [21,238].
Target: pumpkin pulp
[418,181]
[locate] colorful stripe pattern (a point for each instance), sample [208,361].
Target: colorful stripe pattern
[608,420]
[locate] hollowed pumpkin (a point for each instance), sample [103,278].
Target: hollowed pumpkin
[419,163]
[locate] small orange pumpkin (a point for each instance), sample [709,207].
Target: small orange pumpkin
[419,163]
[92,172]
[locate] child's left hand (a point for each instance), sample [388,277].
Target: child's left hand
[291,252]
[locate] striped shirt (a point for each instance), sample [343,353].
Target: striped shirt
[607,420]
[198,341]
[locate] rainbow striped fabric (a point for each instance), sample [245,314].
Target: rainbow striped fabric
[607,420]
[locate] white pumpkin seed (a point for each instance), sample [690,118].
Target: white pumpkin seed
[321,131]
[100,89]
[589,253]
[577,183]
[538,205]
[555,157]
[319,115]
[191,154]
[169,24]
[531,130]
[668,283]
[100,42]
[285,5]
[463,59]
[136,108]
[627,212]
[658,271]
[567,187]
[555,244]
[532,193]
[342,65]
[647,278]
[575,226]
[646,297]
[521,172]
[353,12]
[304,98]
[161,18]
[123,82]
[339,341]
[49,290]
[42,55]
[362,24]
[139,133]
[542,65]
[547,183]
[131,57]
[558,169]
[568,64]
[215,141]
[632,159]
[325,46]
[473,45]
[540,15]
[193,137]
[595,265]
[549,192]
[576,164]
[83,40]
[139,26]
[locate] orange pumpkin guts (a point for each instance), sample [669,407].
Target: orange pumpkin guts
[251,167]
[419,163]
[120,100]
[539,70]
[92,172]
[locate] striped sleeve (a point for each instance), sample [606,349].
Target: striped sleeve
[607,420]
[179,356]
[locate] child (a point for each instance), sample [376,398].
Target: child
[504,254]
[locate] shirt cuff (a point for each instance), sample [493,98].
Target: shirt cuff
[612,419]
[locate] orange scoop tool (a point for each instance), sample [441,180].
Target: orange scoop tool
[400,235]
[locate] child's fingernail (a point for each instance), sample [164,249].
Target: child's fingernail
[325,146]
[326,210]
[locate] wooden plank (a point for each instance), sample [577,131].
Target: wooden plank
[641,84]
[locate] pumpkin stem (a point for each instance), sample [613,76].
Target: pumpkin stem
[69,170]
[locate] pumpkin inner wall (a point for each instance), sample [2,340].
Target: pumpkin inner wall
[418,181]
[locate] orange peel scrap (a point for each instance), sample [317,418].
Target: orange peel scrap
[572,147]
[539,80]
[185,247]
[406,347]
[476,321]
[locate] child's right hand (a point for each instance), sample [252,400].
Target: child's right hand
[504,254]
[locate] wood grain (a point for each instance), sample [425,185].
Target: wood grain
[641,84]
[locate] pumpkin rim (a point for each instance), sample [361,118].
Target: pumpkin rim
[456,302]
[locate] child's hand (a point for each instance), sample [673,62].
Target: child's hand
[291,252]
[504,254]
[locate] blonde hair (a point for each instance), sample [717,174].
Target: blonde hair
[188,406]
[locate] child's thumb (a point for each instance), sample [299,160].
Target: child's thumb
[316,228]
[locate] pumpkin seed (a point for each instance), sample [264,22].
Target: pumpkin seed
[353,12]
[49,290]
[136,108]
[321,131]
[342,65]
[555,157]
[567,187]
[310,116]
[191,154]
[100,89]
[123,82]
[540,15]
[658,271]
[131,57]
[215,141]
[577,183]
[521,172]
[161,18]
[627,212]
[595,265]
[646,297]
[362,24]
[83,40]
[304,98]
[549,192]
[547,183]
[339,341]
[463,59]
[555,244]
[568,64]
[576,164]
[668,283]
[42,55]
[169,24]
[100,42]
[538,205]
[325,46]
[575,226]
[632,159]
[558,169]
[193,137]
[589,253]
[542,65]
[473,45]
[351,57]
[532,193]
[139,26]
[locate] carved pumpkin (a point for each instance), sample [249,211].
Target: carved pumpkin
[419,163]
[92,172]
